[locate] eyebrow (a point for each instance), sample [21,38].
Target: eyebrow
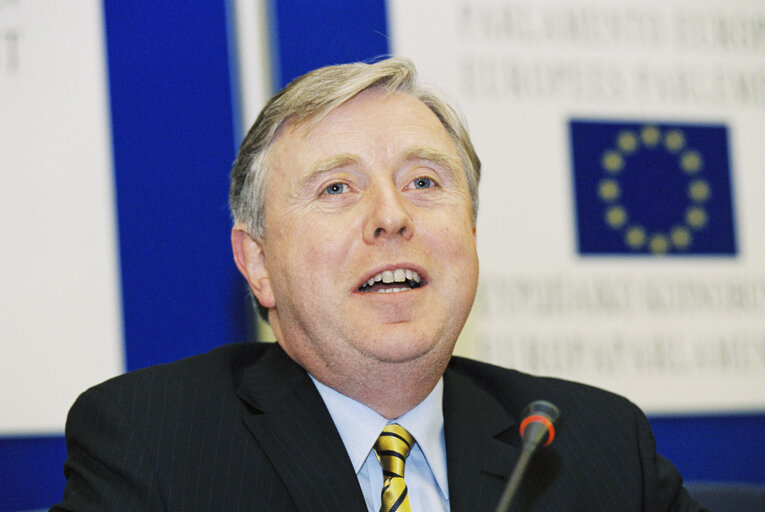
[447,162]
[321,167]
[450,164]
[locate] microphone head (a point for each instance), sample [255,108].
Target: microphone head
[538,422]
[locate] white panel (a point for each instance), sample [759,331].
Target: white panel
[254,75]
[520,71]
[255,79]
[60,320]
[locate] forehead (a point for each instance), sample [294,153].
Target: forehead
[373,124]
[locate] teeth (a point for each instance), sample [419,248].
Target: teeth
[399,275]
[393,290]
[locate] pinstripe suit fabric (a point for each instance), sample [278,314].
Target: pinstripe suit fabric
[242,428]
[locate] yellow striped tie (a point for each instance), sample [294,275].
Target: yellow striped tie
[392,448]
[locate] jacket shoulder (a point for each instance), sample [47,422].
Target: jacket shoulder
[221,366]
[516,389]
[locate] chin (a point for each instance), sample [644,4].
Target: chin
[393,348]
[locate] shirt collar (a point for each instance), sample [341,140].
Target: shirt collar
[359,427]
[426,423]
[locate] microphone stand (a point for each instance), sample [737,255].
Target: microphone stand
[537,426]
[516,477]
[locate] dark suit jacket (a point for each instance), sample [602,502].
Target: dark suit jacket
[243,428]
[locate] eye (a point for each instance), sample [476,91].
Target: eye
[336,188]
[423,183]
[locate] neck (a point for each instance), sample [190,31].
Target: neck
[389,388]
[393,389]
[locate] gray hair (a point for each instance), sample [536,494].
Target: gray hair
[310,98]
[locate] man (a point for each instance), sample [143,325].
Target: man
[354,197]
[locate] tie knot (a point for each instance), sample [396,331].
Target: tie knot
[392,448]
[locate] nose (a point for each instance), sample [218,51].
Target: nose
[389,216]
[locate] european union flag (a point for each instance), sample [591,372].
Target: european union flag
[652,188]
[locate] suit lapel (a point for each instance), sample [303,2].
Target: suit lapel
[297,434]
[478,452]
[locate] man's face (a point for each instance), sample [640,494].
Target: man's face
[373,193]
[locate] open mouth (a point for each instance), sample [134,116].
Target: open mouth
[393,281]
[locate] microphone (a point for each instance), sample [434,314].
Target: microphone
[537,427]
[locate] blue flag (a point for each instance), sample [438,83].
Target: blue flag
[652,188]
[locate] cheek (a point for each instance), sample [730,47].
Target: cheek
[325,256]
[455,235]
[314,250]
[455,246]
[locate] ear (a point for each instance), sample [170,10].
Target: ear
[251,262]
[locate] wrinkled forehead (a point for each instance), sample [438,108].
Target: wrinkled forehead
[311,116]
[374,117]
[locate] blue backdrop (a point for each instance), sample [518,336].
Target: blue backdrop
[173,96]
